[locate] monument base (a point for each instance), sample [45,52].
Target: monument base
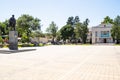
[13,40]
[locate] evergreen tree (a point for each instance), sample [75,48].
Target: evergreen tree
[115,31]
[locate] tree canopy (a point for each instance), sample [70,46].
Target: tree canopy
[66,32]
[70,20]
[52,29]
[115,31]
[107,19]
[26,24]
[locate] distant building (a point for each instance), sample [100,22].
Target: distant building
[102,34]
[89,36]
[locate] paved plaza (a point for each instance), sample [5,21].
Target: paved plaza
[61,63]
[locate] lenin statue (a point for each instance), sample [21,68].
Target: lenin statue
[12,23]
[13,34]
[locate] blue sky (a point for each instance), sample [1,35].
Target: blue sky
[59,10]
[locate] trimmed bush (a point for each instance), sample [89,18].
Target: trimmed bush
[31,45]
[41,44]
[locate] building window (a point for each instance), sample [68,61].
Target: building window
[104,25]
[104,34]
[96,40]
[96,34]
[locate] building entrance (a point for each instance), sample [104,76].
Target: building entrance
[105,40]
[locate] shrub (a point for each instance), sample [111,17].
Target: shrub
[1,40]
[41,44]
[19,45]
[31,45]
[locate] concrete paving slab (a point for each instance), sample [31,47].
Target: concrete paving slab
[61,63]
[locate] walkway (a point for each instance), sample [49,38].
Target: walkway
[61,63]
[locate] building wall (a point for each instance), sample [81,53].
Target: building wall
[101,34]
[39,40]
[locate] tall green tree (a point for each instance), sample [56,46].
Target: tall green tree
[81,30]
[84,31]
[52,29]
[107,19]
[26,24]
[6,22]
[76,20]
[73,21]
[115,31]
[3,31]
[78,29]
[70,20]
[66,32]
[58,36]
[2,28]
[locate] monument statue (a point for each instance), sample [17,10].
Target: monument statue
[12,23]
[13,34]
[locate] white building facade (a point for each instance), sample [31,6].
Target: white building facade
[102,34]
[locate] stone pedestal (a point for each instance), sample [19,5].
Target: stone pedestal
[13,40]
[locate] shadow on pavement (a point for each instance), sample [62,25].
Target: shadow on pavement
[15,51]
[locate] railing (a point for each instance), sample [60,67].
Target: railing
[105,35]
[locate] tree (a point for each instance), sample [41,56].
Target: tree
[76,20]
[52,29]
[84,30]
[24,38]
[26,24]
[70,20]
[73,21]
[1,40]
[4,31]
[6,22]
[66,32]
[81,30]
[58,36]
[2,28]
[115,31]
[37,34]
[35,25]
[78,29]
[107,19]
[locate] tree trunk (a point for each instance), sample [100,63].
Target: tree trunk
[53,40]
[117,41]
